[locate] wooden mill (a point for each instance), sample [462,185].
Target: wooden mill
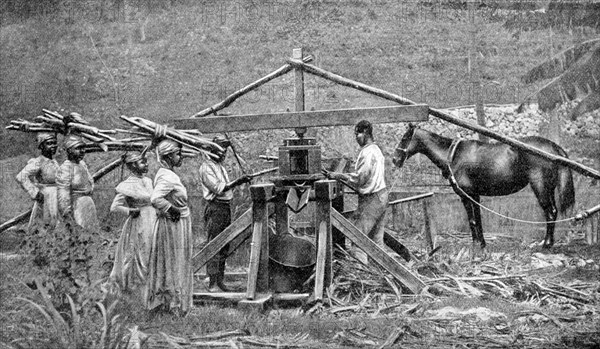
[299,162]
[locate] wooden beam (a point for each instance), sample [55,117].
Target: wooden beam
[261,302]
[309,68]
[338,117]
[237,94]
[215,245]
[405,276]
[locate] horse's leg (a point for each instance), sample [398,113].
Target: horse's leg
[479,225]
[474,217]
[544,193]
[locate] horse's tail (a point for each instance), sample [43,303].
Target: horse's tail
[566,189]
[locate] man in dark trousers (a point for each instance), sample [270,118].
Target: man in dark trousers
[368,179]
[217,191]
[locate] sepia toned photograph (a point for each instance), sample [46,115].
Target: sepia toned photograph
[299,174]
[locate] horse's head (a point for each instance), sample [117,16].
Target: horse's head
[405,148]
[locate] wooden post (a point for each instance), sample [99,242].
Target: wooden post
[299,89]
[428,228]
[474,71]
[337,238]
[325,191]
[258,269]
[592,229]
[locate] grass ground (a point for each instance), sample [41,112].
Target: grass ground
[531,304]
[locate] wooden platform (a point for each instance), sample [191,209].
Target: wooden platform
[260,303]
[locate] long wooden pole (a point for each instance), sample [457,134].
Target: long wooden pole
[232,97]
[97,175]
[446,117]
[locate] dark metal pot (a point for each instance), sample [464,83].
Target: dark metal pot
[291,262]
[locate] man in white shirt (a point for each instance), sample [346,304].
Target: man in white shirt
[368,180]
[217,191]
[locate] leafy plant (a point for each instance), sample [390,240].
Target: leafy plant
[575,73]
[68,327]
[67,253]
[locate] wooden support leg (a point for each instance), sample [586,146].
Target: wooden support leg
[592,229]
[405,276]
[215,245]
[325,191]
[429,229]
[258,270]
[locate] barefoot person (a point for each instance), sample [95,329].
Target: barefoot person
[75,187]
[217,190]
[369,180]
[133,249]
[170,274]
[38,178]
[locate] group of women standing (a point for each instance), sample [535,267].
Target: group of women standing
[154,252]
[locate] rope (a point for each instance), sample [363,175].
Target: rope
[455,185]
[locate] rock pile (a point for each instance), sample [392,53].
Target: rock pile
[506,120]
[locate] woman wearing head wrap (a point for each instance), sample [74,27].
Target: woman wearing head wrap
[38,178]
[133,249]
[75,187]
[170,275]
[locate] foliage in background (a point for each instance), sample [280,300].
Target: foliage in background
[575,74]
[161,59]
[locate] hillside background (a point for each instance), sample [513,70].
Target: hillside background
[170,59]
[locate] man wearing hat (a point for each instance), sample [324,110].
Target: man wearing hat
[75,186]
[38,178]
[217,191]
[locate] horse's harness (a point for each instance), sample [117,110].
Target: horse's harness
[450,158]
[405,150]
[452,179]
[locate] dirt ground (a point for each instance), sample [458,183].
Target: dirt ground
[515,295]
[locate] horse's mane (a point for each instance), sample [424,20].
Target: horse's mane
[436,137]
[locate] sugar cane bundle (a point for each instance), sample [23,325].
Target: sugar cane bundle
[193,143]
[72,124]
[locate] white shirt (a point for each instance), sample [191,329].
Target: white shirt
[213,178]
[369,175]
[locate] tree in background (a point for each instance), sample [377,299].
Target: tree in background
[575,74]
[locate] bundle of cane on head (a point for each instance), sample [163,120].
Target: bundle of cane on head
[72,124]
[192,143]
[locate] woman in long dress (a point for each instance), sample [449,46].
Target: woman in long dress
[170,278]
[75,187]
[130,267]
[38,178]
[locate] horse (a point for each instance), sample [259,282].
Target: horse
[475,169]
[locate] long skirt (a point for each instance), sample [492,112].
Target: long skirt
[170,274]
[84,212]
[46,214]
[130,267]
